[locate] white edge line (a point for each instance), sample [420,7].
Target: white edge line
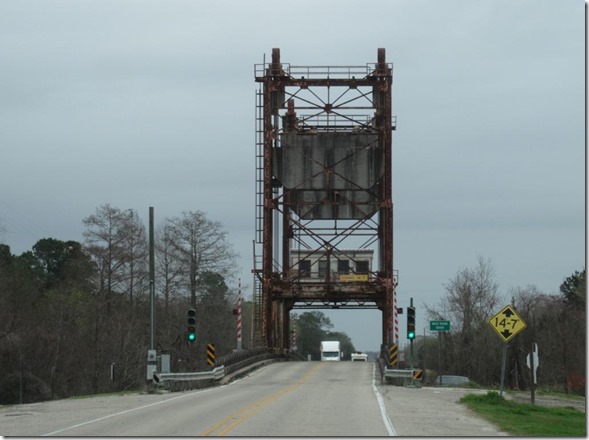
[147,406]
[130,410]
[383,411]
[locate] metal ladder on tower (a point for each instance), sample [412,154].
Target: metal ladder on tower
[257,340]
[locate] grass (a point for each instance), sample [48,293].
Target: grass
[527,420]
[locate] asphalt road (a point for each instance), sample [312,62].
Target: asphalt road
[283,399]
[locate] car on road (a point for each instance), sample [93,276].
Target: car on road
[449,380]
[359,356]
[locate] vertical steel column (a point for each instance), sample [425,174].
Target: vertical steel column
[286,234]
[272,98]
[384,118]
[286,325]
[286,228]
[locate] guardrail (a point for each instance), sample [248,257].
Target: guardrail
[189,381]
[397,372]
[230,364]
[215,373]
[406,377]
[240,359]
[388,362]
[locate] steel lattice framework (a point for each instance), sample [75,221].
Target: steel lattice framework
[324,193]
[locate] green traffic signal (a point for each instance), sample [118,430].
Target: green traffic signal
[411,322]
[191,335]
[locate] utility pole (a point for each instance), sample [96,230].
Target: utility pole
[440,356]
[151,282]
[151,352]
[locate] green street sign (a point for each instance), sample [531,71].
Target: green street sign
[439,325]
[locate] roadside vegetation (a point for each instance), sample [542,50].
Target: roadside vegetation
[556,322]
[525,419]
[74,317]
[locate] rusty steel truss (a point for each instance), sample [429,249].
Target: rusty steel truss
[324,193]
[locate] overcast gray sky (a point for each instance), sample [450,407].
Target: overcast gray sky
[151,103]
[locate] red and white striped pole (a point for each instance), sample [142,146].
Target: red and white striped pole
[396,317]
[239,316]
[395,314]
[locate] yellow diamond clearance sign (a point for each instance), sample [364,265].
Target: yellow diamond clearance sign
[507,323]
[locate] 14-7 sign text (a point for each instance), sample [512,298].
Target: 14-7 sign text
[507,323]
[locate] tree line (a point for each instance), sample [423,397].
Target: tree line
[557,323]
[74,317]
[72,313]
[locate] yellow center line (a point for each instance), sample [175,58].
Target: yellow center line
[238,417]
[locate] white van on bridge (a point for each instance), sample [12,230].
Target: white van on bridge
[330,351]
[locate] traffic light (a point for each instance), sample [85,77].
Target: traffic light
[191,335]
[411,322]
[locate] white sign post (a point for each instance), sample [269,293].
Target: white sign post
[532,362]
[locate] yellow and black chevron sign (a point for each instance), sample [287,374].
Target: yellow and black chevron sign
[417,374]
[393,352]
[211,354]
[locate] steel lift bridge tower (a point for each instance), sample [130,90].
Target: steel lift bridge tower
[324,214]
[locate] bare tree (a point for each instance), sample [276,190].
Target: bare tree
[174,297]
[105,243]
[115,240]
[135,253]
[557,325]
[169,267]
[201,246]
[471,297]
